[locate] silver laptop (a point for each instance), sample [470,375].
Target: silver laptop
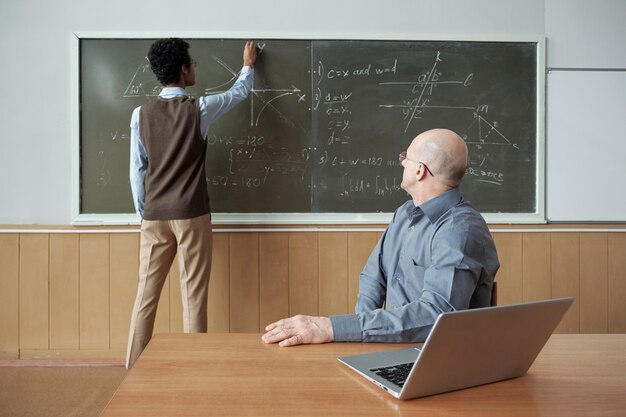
[464,349]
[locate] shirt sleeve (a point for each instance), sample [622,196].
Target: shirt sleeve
[214,106]
[373,277]
[449,283]
[372,281]
[138,165]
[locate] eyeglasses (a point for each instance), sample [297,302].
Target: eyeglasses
[192,62]
[402,157]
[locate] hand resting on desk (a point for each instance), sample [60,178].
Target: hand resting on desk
[298,330]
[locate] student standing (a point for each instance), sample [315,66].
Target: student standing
[168,182]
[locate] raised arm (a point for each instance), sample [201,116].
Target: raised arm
[249,54]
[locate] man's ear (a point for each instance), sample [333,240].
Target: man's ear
[183,75]
[420,171]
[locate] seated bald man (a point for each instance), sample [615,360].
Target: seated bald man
[437,255]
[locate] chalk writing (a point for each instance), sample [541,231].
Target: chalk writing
[325,120]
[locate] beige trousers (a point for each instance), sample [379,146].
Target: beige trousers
[160,241]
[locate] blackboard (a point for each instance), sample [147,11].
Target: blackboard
[323,127]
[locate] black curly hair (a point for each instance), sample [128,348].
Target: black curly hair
[166,57]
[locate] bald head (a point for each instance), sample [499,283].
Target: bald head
[444,152]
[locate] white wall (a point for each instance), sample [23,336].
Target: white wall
[586,34]
[586,104]
[35,139]
[35,113]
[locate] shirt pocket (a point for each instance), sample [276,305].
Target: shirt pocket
[418,263]
[415,282]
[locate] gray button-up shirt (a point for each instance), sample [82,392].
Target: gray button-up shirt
[431,259]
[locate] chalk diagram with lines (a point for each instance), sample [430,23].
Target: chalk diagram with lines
[249,158]
[479,133]
[262,100]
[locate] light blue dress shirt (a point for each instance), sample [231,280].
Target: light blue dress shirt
[434,258]
[211,108]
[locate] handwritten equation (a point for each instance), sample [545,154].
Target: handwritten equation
[326,120]
[360,102]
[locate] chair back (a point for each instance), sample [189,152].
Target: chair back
[494,294]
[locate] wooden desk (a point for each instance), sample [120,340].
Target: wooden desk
[237,375]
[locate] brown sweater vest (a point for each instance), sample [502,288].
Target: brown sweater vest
[175,182]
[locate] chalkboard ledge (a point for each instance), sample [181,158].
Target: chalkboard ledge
[298,218]
[247,219]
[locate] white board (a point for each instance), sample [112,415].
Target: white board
[586,146]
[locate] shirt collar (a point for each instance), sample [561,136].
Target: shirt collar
[436,207]
[169,92]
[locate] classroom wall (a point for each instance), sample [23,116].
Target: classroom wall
[35,159]
[69,295]
[585,107]
[35,115]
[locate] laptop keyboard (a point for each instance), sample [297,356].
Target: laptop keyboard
[396,374]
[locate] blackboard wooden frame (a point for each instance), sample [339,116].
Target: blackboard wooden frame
[537,216]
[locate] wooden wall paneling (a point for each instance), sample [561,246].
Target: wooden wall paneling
[617,283]
[33,291]
[594,277]
[273,277]
[124,266]
[9,295]
[244,282]
[94,291]
[64,291]
[510,275]
[333,273]
[360,246]
[303,273]
[218,310]
[536,266]
[565,253]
